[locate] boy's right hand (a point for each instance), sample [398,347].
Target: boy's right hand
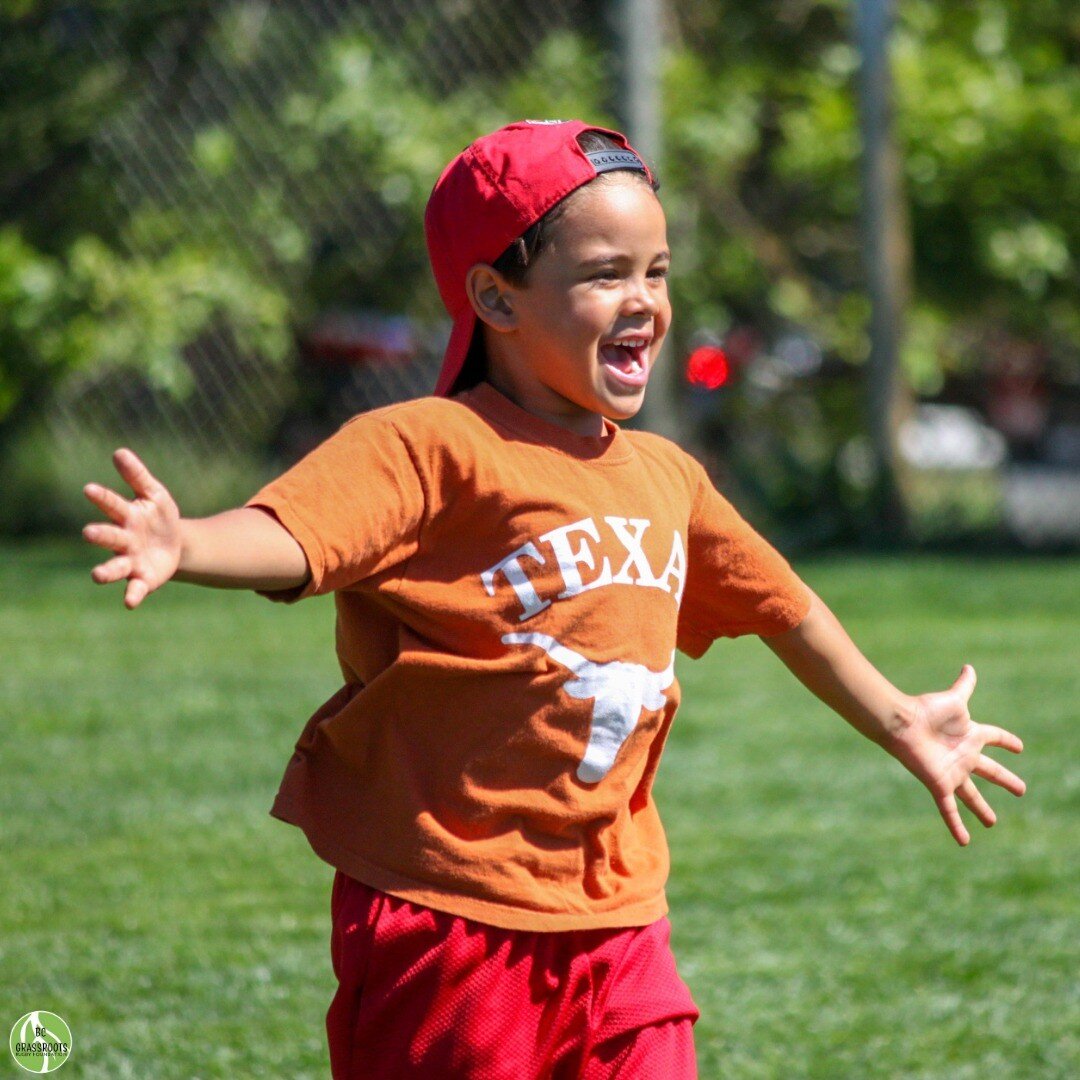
[145,535]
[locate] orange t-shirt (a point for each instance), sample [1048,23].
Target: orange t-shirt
[509,599]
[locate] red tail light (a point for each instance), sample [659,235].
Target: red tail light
[707,366]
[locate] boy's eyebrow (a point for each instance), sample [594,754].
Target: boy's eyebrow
[607,260]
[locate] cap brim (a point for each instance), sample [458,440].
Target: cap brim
[457,348]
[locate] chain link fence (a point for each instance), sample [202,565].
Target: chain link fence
[295,144]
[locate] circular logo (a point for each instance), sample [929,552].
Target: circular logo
[40,1042]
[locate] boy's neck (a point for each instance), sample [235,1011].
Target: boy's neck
[547,404]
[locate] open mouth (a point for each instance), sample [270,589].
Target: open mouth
[627,360]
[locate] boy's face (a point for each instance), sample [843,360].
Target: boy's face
[590,320]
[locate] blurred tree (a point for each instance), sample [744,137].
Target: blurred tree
[763,180]
[300,177]
[283,156]
[763,145]
[76,289]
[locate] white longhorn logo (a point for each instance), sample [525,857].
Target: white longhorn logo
[619,691]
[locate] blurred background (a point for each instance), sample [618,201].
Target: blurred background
[211,250]
[211,245]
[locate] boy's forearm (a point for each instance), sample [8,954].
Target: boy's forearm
[823,657]
[240,549]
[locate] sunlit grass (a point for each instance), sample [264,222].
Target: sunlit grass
[824,919]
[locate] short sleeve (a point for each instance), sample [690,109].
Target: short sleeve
[736,582]
[355,504]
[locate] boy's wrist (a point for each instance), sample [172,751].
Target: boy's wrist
[184,542]
[899,721]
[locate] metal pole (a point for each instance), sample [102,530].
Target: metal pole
[640,71]
[887,257]
[640,37]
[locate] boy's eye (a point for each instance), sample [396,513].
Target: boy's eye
[611,273]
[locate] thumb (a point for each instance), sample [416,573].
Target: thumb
[135,593]
[965,682]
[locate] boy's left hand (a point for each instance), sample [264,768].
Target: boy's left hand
[932,735]
[943,747]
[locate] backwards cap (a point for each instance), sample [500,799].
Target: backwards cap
[490,194]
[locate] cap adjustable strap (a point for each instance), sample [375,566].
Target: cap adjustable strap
[605,160]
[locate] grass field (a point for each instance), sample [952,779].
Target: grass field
[826,922]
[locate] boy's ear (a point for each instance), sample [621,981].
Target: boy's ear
[491,297]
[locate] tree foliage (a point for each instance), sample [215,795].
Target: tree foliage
[763,149]
[179,170]
[301,177]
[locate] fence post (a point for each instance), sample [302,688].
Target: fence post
[639,32]
[887,258]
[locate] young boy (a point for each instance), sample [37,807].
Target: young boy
[512,574]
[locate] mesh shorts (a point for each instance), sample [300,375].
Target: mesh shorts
[424,994]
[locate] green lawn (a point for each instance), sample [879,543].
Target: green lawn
[826,922]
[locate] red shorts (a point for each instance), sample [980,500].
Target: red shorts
[424,994]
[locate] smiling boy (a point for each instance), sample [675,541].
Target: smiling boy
[577,343]
[513,573]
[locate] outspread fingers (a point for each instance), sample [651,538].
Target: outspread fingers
[114,506]
[974,801]
[114,570]
[946,804]
[996,773]
[136,474]
[106,536]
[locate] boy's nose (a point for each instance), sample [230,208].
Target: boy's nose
[641,300]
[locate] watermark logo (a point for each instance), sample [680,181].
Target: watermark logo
[40,1042]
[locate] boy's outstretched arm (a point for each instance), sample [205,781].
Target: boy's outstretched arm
[153,544]
[932,735]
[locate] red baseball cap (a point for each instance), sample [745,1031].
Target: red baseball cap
[491,193]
